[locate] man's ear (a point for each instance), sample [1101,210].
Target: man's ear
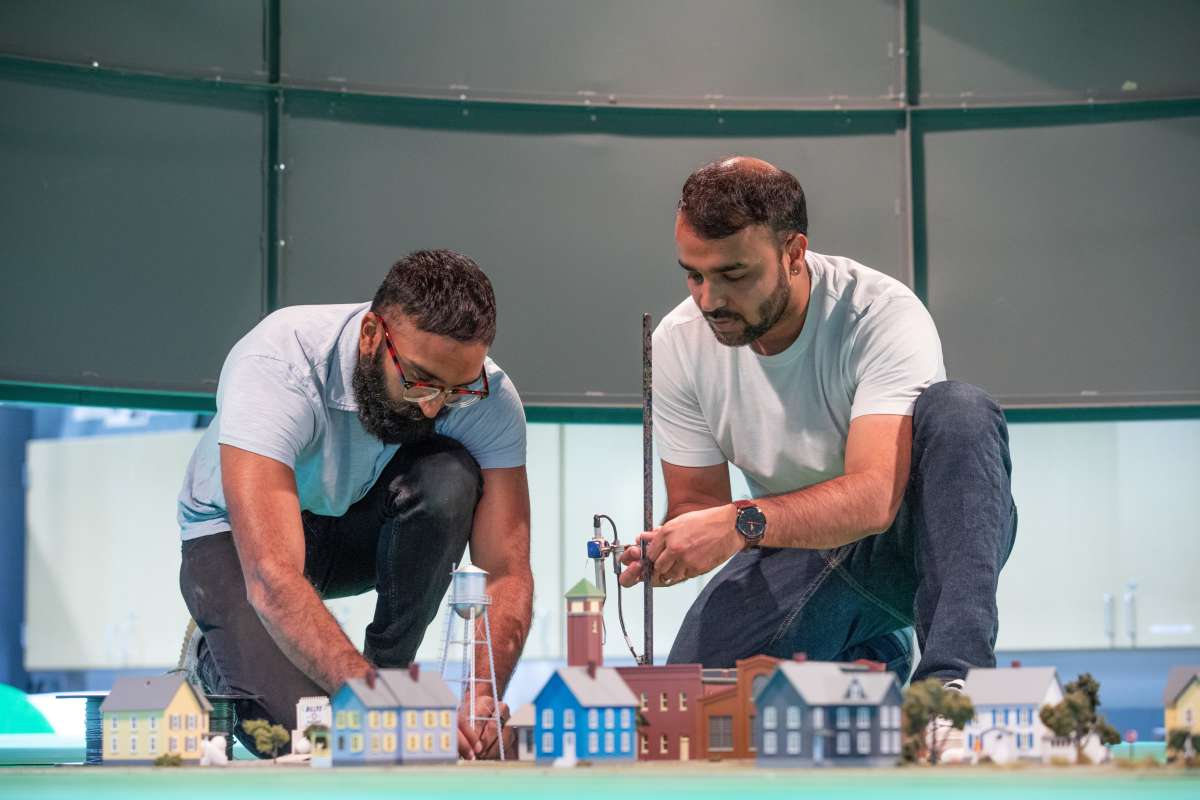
[370,334]
[795,246]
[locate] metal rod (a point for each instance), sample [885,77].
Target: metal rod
[647,486]
[487,635]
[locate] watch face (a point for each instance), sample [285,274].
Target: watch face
[751,522]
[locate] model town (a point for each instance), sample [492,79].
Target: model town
[780,713]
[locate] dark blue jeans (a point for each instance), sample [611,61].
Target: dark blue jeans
[402,539]
[935,569]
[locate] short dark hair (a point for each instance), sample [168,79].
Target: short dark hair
[443,292]
[722,197]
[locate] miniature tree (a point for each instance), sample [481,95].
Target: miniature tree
[1181,743]
[268,738]
[169,760]
[1075,717]
[924,732]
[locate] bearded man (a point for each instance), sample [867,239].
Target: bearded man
[356,447]
[880,490]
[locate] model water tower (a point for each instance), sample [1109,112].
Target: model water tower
[468,606]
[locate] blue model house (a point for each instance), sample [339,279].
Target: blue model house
[586,713]
[408,717]
[816,713]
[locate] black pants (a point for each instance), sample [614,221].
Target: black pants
[402,539]
[935,569]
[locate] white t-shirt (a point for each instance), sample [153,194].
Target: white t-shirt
[868,346]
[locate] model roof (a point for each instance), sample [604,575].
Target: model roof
[524,718]
[1178,680]
[826,683]
[1009,685]
[395,688]
[584,589]
[149,694]
[604,689]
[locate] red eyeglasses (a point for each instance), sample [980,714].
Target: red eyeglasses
[423,391]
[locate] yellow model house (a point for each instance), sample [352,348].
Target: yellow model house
[1181,699]
[145,718]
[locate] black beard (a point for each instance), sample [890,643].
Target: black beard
[770,311]
[401,424]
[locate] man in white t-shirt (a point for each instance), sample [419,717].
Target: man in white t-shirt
[881,490]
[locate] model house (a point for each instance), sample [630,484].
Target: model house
[144,718]
[726,713]
[1006,726]
[816,713]
[1181,700]
[668,707]
[585,711]
[522,726]
[407,717]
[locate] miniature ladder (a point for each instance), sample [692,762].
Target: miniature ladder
[468,676]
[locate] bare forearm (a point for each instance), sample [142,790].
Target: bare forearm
[305,631]
[509,616]
[828,514]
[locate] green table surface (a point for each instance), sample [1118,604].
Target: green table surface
[650,781]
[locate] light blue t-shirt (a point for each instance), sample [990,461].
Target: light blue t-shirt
[285,392]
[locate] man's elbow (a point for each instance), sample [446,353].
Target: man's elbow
[265,584]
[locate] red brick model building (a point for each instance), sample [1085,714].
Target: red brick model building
[726,711]
[668,697]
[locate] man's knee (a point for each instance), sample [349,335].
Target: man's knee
[440,474]
[958,410]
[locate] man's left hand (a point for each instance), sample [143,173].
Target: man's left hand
[689,545]
[482,741]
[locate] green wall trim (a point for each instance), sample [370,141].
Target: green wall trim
[47,394]
[202,403]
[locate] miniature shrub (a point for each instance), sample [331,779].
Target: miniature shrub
[169,760]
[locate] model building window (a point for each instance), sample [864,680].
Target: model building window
[644,706]
[793,743]
[153,744]
[354,719]
[446,722]
[548,742]
[389,743]
[864,717]
[664,744]
[133,722]
[154,723]
[843,717]
[663,703]
[610,718]
[683,701]
[189,744]
[593,718]
[595,626]
[593,742]
[114,722]
[428,743]
[373,719]
[430,719]
[720,733]
[770,717]
[174,722]
[625,715]
[113,744]
[191,722]
[643,744]
[356,743]
[864,743]
[389,719]
[1188,717]
[769,743]
[376,746]
[133,744]
[793,716]
[818,718]
[568,718]
[843,743]
[340,721]
[547,718]
[172,745]
[625,742]
[609,739]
